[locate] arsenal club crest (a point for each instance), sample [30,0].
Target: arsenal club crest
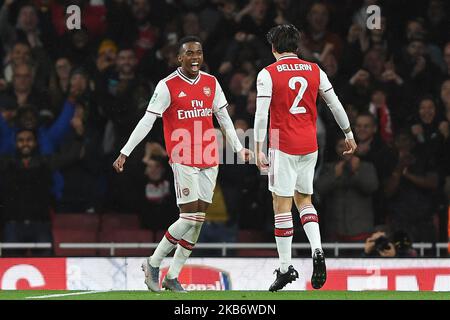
[207,91]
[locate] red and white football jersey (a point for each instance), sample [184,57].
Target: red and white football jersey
[292,85]
[186,106]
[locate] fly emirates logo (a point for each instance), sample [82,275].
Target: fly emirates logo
[196,112]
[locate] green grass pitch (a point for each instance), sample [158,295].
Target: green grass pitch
[221,295]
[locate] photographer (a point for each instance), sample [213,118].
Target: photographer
[380,245]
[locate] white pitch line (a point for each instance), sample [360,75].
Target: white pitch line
[64,294]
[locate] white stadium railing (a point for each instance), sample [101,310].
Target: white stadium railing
[224,247]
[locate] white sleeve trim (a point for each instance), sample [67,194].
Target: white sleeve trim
[227,126]
[264,97]
[139,133]
[326,91]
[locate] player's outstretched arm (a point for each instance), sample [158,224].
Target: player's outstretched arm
[326,91]
[159,102]
[139,133]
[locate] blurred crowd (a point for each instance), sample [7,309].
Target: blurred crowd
[69,100]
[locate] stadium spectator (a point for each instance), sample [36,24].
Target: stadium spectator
[357,89]
[416,27]
[425,126]
[23,88]
[27,25]
[371,148]
[26,180]
[346,187]
[158,206]
[49,138]
[78,47]
[59,82]
[222,35]
[19,54]
[83,190]
[107,55]
[437,21]
[416,69]
[145,34]
[413,185]
[8,110]
[123,95]
[318,38]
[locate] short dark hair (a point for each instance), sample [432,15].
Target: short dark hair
[284,38]
[186,40]
[22,129]
[370,115]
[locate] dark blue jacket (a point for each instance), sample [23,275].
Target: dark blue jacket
[49,139]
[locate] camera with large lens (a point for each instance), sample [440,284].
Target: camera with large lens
[382,243]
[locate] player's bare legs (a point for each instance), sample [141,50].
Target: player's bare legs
[283,236]
[310,222]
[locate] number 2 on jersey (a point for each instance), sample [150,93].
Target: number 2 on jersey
[295,108]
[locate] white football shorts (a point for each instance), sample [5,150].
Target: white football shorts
[291,172]
[192,183]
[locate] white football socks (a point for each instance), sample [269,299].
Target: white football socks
[185,246]
[310,222]
[175,232]
[284,232]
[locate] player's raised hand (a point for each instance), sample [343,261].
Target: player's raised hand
[351,146]
[246,154]
[261,162]
[120,161]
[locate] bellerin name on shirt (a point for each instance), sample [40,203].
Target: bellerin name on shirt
[293,67]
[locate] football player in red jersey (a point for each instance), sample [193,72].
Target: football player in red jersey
[186,101]
[289,88]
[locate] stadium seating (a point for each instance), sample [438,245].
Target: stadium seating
[250,236]
[115,221]
[126,236]
[74,235]
[75,227]
[84,221]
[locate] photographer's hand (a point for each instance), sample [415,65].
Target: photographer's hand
[370,242]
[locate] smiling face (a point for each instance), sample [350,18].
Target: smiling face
[25,143]
[126,61]
[22,78]
[427,111]
[191,58]
[365,128]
